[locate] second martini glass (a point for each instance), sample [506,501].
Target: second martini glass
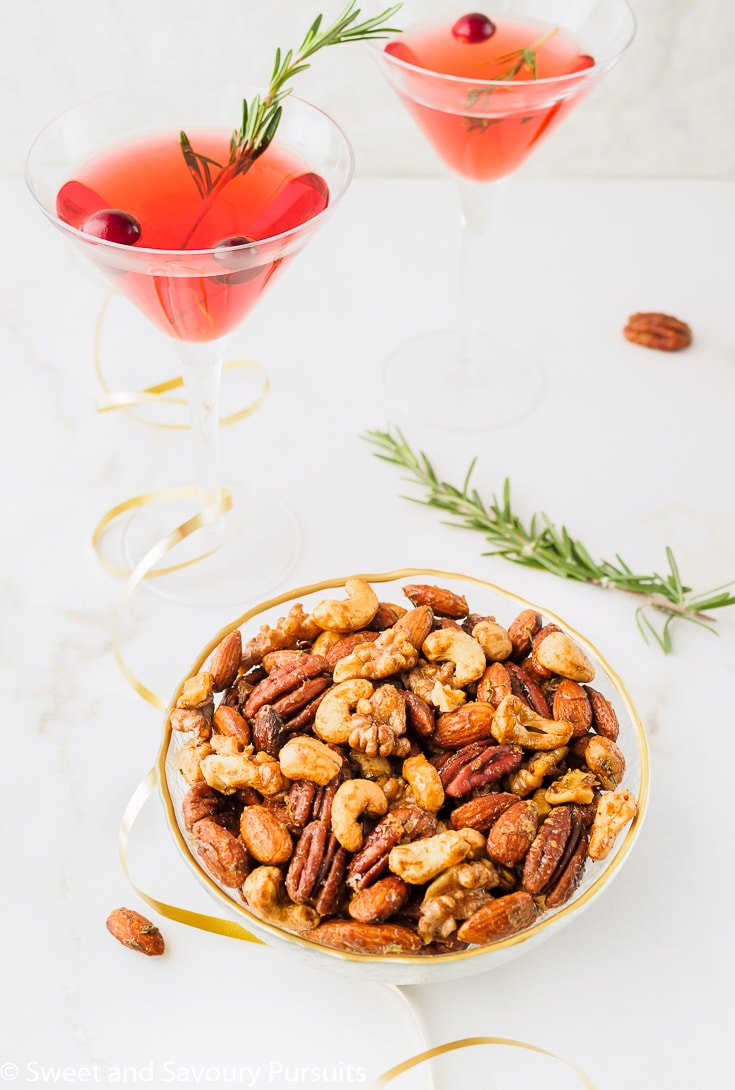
[140,199]
[485,89]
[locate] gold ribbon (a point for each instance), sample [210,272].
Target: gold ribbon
[161,392]
[470,1042]
[158,393]
[217,926]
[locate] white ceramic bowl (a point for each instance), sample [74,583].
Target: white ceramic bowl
[484,598]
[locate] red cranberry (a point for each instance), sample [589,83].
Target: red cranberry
[112,225]
[583,61]
[473,28]
[232,261]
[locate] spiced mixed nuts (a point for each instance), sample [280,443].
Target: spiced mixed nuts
[390,780]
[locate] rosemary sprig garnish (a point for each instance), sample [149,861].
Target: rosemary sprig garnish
[519,59]
[541,544]
[261,116]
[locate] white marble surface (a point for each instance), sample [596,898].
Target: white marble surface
[631,449]
[668,110]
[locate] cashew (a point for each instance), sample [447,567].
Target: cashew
[351,614]
[515,723]
[353,799]
[265,893]
[493,639]
[425,783]
[306,758]
[456,646]
[422,860]
[334,714]
[560,654]
[227,772]
[324,642]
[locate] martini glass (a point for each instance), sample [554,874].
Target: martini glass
[112,176]
[485,105]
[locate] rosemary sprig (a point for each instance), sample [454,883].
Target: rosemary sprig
[541,544]
[519,59]
[261,116]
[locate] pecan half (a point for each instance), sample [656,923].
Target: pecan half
[317,869]
[476,766]
[283,681]
[404,824]
[555,860]
[662,331]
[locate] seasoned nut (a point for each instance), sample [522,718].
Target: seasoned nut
[533,771]
[455,646]
[226,659]
[522,630]
[379,725]
[196,692]
[512,834]
[284,680]
[514,722]
[288,631]
[660,331]
[482,812]
[614,810]
[494,684]
[523,685]
[345,645]
[266,838]
[500,918]
[300,699]
[317,870]
[269,734]
[425,784]
[477,765]
[264,892]
[353,799]
[348,615]
[366,938]
[135,932]
[193,721]
[604,758]
[493,639]
[443,602]
[387,615]
[456,894]
[395,650]
[189,760]
[403,824]
[604,719]
[222,853]
[200,801]
[379,902]
[419,716]
[470,723]
[554,863]
[433,683]
[559,653]
[306,758]
[572,703]
[228,773]
[229,722]
[422,860]
[574,786]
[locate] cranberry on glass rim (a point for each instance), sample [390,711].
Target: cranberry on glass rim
[473,28]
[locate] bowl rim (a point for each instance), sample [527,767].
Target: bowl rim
[562,914]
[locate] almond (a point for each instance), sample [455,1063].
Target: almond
[135,932]
[501,917]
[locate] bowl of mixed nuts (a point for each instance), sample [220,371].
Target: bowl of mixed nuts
[407,776]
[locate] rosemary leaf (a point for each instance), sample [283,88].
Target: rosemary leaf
[662,600]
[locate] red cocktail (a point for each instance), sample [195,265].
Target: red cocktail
[486,88]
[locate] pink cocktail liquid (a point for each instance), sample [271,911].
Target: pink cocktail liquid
[206,297]
[486,132]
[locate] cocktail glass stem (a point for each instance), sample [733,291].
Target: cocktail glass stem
[201,369]
[479,201]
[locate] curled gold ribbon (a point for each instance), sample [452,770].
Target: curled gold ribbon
[470,1042]
[161,393]
[215,924]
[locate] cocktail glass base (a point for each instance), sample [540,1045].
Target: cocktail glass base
[230,561]
[463,382]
